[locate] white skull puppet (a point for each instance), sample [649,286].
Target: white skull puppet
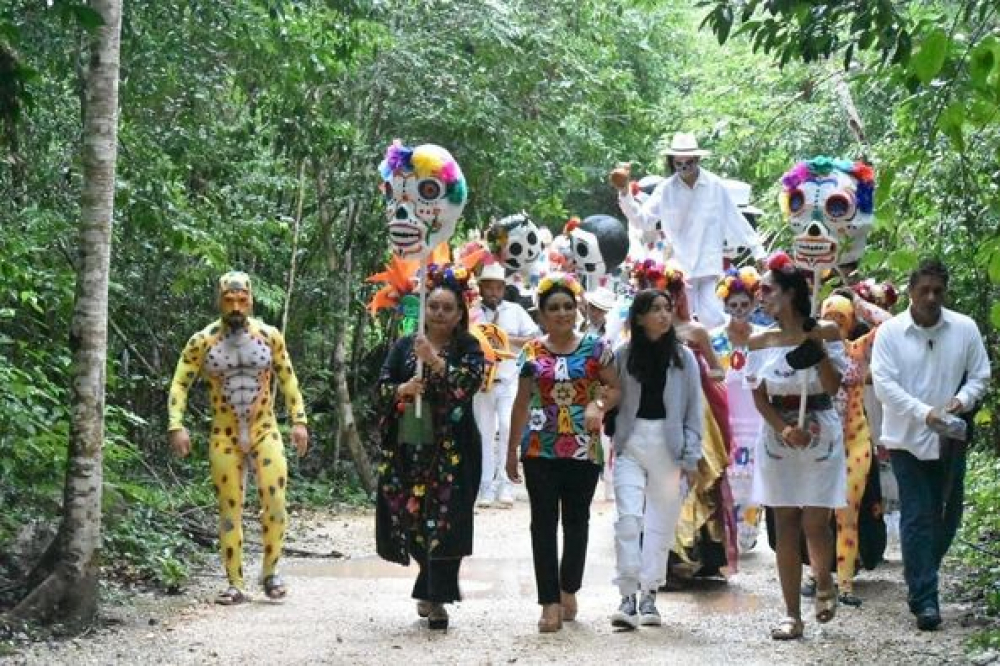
[739,192]
[829,204]
[599,244]
[516,242]
[649,242]
[425,194]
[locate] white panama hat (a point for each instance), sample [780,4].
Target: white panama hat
[684,144]
[494,271]
[601,298]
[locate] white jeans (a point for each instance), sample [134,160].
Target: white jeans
[492,411]
[704,302]
[648,499]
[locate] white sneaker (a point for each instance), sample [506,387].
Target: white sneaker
[505,495]
[486,497]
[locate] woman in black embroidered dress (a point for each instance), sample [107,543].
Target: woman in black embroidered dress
[430,467]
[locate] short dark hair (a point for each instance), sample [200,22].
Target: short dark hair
[930,267]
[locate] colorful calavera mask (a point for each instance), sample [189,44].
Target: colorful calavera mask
[425,193]
[516,241]
[829,203]
[599,244]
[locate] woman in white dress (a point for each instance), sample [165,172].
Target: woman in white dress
[800,471]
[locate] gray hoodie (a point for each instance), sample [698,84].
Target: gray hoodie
[682,399]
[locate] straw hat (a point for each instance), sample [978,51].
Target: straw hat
[684,144]
[493,271]
[601,298]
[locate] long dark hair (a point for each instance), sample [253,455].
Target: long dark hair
[558,288]
[794,280]
[649,359]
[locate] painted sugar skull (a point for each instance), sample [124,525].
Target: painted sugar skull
[599,244]
[425,194]
[516,241]
[829,203]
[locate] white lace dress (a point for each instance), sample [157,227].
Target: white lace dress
[815,475]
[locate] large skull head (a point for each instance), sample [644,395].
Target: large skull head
[829,204]
[599,245]
[425,193]
[516,241]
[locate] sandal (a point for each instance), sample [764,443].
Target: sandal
[826,605]
[809,588]
[850,599]
[274,587]
[232,596]
[788,629]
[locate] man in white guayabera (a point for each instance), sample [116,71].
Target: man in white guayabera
[930,369]
[693,210]
[493,407]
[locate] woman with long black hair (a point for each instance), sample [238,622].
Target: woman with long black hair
[657,440]
[801,470]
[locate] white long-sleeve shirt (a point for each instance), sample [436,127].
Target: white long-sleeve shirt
[695,220]
[915,369]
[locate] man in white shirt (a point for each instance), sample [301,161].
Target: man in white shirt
[929,365]
[694,212]
[492,408]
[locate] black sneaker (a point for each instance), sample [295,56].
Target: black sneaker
[626,617]
[648,615]
[928,619]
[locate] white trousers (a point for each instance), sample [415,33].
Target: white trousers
[492,411]
[648,499]
[705,303]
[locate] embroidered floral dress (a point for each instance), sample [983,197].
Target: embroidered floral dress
[428,475]
[564,385]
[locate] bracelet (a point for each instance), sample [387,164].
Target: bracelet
[784,432]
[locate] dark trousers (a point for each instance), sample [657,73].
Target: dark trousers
[555,486]
[438,578]
[931,493]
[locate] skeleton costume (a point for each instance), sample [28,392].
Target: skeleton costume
[238,365]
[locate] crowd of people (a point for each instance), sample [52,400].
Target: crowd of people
[705,397]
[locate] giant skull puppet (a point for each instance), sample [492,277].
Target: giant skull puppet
[516,242]
[425,193]
[829,204]
[599,244]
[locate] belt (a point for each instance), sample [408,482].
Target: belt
[816,401]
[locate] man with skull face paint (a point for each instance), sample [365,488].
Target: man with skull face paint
[237,355]
[695,212]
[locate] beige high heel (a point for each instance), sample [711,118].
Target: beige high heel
[569,606]
[551,620]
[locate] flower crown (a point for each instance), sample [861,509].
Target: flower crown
[823,166]
[456,278]
[553,280]
[674,279]
[742,281]
[781,262]
[882,294]
[649,274]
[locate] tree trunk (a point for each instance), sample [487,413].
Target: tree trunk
[68,588]
[854,122]
[348,426]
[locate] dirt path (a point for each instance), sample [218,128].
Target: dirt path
[358,610]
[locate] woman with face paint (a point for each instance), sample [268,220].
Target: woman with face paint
[800,469]
[705,540]
[431,466]
[738,292]
[849,402]
[567,383]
